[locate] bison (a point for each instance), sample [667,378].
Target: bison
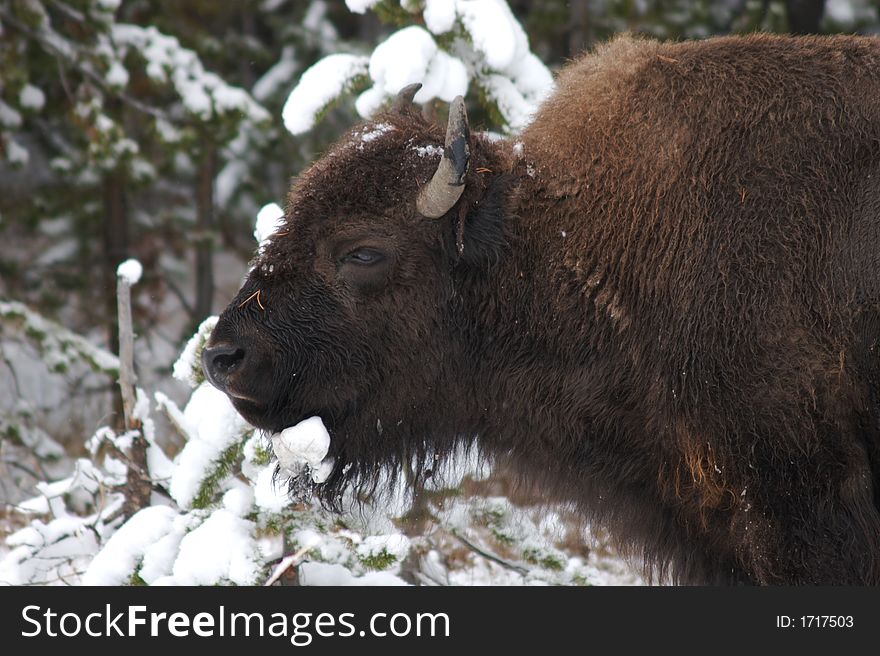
[659,304]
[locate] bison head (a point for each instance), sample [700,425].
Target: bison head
[352,312]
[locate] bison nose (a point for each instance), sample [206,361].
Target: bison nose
[220,361]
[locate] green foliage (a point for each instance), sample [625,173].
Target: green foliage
[378,561]
[222,468]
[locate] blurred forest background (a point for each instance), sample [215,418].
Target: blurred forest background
[153,129]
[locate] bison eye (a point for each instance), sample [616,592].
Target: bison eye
[365,269]
[364,257]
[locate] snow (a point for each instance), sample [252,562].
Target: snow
[167,132]
[130,271]
[117,75]
[188,367]
[322,83]
[31,97]
[221,549]
[494,31]
[402,59]
[214,426]
[370,101]
[319,26]
[269,219]
[497,57]
[408,56]
[239,500]
[203,93]
[268,496]
[277,76]
[307,539]
[9,117]
[360,6]
[305,444]
[59,345]
[396,545]
[840,11]
[159,557]
[429,150]
[447,77]
[335,575]
[116,562]
[439,15]
[375,132]
[16,153]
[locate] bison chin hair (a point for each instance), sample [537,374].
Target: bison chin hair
[390,476]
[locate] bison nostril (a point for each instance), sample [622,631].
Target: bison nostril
[220,361]
[226,362]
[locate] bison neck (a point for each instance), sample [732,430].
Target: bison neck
[550,392]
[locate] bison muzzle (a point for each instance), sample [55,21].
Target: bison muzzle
[660,304]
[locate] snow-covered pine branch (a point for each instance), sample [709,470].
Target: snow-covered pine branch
[451,47]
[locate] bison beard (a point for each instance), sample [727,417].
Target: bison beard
[661,305]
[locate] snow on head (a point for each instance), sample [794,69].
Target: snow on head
[305,444]
[428,150]
[318,87]
[130,271]
[376,131]
[370,134]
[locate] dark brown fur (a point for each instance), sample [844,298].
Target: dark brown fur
[662,307]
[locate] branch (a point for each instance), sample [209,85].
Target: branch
[127,376]
[49,40]
[138,486]
[519,569]
[286,563]
[188,308]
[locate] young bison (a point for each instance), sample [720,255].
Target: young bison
[661,304]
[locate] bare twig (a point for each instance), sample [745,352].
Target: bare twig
[127,376]
[286,563]
[490,556]
[174,420]
[138,485]
[187,306]
[69,11]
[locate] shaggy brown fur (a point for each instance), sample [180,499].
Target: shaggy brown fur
[661,306]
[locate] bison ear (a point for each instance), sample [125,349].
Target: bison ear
[481,235]
[403,103]
[443,190]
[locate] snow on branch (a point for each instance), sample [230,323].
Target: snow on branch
[462,43]
[319,87]
[59,347]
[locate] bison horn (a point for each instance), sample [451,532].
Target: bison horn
[445,188]
[404,99]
